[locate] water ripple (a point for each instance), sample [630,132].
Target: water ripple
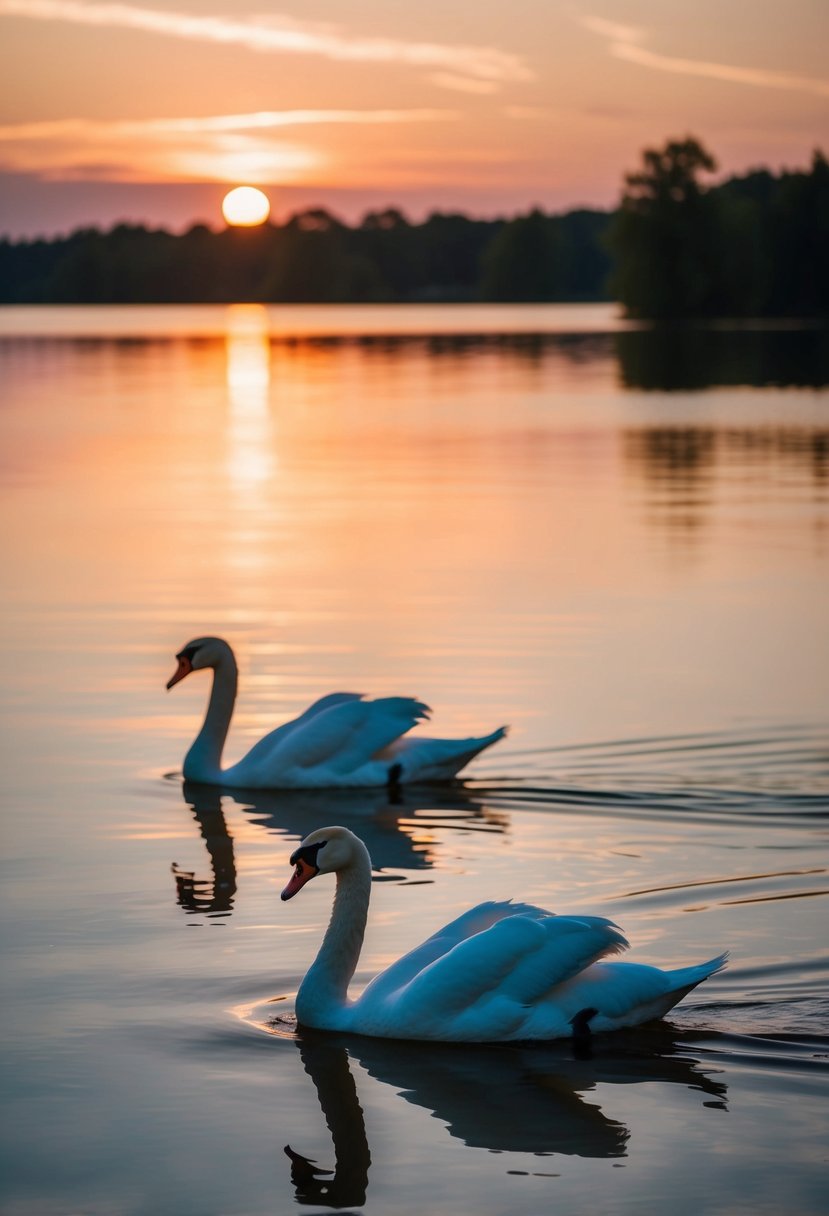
[778,774]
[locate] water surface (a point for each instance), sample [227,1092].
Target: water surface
[613,539]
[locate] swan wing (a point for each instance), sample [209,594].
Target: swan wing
[476,920]
[486,983]
[571,944]
[382,722]
[268,742]
[346,735]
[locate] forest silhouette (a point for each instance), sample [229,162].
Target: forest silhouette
[677,247]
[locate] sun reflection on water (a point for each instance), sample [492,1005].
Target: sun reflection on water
[250,450]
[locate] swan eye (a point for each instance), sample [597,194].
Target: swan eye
[308,855]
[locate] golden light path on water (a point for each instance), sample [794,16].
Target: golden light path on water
[251,447]
[613,540]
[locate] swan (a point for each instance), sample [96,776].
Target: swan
[341,740]
[500,972]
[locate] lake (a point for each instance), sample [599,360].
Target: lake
[613,539]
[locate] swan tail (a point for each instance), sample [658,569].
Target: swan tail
[682,981]
[440,759]
[687,978]
[624,994]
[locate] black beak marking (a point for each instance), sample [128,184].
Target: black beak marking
[308,853]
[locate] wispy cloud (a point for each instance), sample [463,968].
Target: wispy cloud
[261,120]
[223,147]
[464,84]
[612,29]
[626,43]
[281,34]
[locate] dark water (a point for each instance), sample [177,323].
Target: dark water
[614,540]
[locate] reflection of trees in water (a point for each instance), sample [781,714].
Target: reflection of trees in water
[688,357]
[400,830]
[503,1098]
[576,348]
[679,357]
[679,465]
[582,349]
[665,358]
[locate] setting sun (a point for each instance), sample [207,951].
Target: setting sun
[246,206]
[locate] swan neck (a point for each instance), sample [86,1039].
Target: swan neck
[324,991]
[203,762]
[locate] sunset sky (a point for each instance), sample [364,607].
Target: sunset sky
[150,111]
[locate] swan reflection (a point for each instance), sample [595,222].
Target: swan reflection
[402,829]
[212,896]
[326,1063]
[540,1108]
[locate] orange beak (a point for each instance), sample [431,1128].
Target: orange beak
[302,874]
[184,668]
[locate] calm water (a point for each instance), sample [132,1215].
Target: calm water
[614,540]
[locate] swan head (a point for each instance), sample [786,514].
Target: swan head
[201,652]
[325,851]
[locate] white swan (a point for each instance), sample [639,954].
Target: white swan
[502,971]
[340,740]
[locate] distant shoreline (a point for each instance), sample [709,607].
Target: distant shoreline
[754,246]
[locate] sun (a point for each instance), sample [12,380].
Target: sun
[245,207]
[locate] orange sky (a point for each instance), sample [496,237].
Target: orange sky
[148,111]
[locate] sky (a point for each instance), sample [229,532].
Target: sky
[149,111]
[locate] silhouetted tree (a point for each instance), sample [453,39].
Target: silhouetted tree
[754,246]
[799,230]
[583,264]
[520,262]
[663,237]
[449,250]
[385,239]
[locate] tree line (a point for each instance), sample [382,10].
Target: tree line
[753,245]
[316,258]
